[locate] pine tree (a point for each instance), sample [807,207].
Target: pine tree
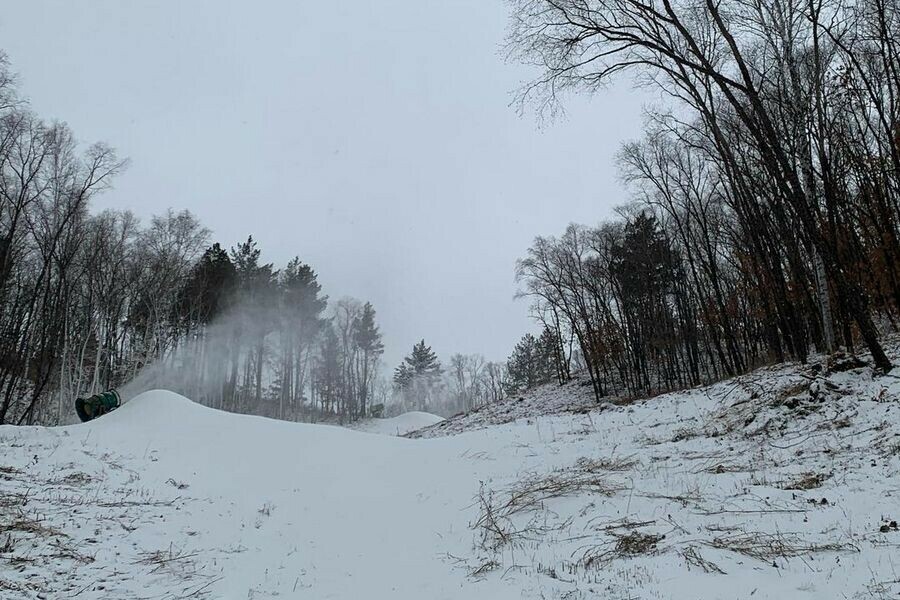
[212,283]
[644,265]
[551,353]
[257,294]
[302,305]
[403,375]
[422,361]
[300,323]
[301,290]
[366,333]
[532,363]
[418,376]
[367,338]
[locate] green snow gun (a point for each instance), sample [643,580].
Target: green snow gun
[97,405]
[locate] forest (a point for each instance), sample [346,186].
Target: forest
[90,302]
[763,219]
[761,224]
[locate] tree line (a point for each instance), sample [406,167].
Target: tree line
[265,341]
[766,199]
[469,381]
[93,301]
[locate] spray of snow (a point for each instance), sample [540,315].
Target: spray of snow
[200,367]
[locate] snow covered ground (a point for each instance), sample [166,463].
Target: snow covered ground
[400,425]
[779,484]
[575,396]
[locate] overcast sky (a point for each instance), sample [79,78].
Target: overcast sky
[374,139]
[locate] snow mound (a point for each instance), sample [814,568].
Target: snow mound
[152,404]
[399,425]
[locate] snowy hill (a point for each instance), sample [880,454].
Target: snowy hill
[404,424]
[575,396]
[778,484]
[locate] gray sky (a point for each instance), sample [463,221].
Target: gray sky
[374,139]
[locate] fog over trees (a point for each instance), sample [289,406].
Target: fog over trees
[760,225]
[90,302]
[94,301]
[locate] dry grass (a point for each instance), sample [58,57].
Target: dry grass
[596,465]
[68,551]
[690,496]
[694,559]
[30,508]
[24,523]
[19,588]
[160,559]
[791,391]
[721,468]
[483,568]
[637,543]
[8,472]
[686,433]
[77,479]
[619,524]
[769,546]
[841,422]
[498,509]
[806,481]
[631,544]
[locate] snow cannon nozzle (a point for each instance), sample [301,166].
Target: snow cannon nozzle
[91,407]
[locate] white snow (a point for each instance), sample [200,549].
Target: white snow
[399,425]
[166,499]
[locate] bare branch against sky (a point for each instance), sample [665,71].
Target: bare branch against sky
[376,140]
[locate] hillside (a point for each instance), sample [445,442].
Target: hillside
[402,424]
[781,483]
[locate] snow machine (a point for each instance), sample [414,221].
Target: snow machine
[97,405]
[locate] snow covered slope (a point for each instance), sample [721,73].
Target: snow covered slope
[779,484]
[575,396]
[399,425]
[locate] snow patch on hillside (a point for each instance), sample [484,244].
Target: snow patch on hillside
[575,396]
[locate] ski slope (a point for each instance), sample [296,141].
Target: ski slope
[760,487]
[403,424]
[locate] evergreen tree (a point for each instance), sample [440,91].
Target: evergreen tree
[403,375]
[646,267]
[301,291]
[257,294]
[551,353]
[366,333]
[255,280]
[367,338]
[211,285]
[532,362]
[301,320]
[418,376]
[423,362]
